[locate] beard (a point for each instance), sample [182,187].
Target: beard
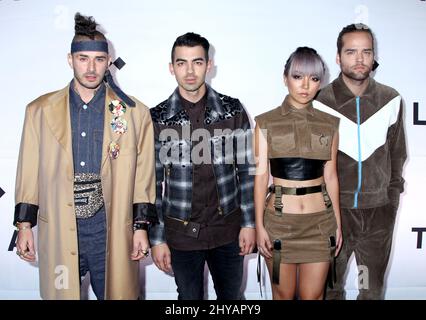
[359,76]
[86,84]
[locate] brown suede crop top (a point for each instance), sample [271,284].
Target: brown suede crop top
[299,140]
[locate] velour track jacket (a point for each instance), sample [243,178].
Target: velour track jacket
[372,147]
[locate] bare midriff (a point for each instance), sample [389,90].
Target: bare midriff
[309,203]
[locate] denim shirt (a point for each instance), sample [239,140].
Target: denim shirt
[87,125]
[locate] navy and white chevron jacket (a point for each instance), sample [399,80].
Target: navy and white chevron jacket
[372,148]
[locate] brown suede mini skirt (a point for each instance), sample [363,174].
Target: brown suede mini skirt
[305,238]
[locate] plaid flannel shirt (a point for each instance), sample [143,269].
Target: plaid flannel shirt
[233,169]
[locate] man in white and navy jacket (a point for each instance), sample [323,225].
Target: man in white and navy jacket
[371,156]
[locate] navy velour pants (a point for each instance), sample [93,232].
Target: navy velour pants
[368,234]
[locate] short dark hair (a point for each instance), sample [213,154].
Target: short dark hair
[354,27]
[191,39]
[85,29]
[306,61]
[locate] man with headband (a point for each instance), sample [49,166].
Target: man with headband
[86,177]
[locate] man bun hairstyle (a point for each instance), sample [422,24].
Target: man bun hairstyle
[85,26]
[85,29]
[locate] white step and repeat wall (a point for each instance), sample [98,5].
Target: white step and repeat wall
[251,39]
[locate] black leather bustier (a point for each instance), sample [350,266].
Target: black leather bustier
[297,168]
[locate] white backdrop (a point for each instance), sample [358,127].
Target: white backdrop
[251,40]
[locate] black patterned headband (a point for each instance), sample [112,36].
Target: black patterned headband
[93,45]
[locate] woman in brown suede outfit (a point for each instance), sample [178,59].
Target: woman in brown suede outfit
[298,225]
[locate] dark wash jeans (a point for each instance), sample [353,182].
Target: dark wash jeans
[225,265]
[92,246]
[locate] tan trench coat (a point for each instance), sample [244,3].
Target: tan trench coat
[45,178]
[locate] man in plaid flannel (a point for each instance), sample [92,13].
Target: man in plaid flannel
[204,167]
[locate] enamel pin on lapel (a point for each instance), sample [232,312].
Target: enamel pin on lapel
[117,108]
[113,150]
[119,125]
